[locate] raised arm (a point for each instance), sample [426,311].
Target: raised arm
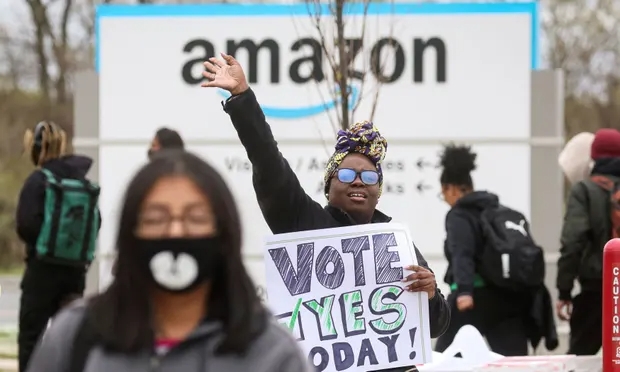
[284,203]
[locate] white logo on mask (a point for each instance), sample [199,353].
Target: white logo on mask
[174,274]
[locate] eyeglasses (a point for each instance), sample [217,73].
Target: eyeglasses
[157,222]
[368,177]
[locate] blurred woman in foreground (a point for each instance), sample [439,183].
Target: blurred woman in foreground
[181,299]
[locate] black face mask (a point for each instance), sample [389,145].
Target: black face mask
[180,264]
[150,153]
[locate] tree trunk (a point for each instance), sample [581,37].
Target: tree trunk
[342,77]
[39,21]
[60,50]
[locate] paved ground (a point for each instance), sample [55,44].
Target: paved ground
[9,302]
[7,365]
[9,307]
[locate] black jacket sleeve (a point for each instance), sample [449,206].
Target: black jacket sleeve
[438,308]
[281,197]
[461,244]
[574,239]
[29,215]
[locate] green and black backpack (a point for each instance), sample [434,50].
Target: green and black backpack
[70,221]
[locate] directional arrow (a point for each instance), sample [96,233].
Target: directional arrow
[421,164]
[421,186]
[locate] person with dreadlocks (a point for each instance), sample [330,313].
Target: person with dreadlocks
[58,220]
[353,179]
[503,316]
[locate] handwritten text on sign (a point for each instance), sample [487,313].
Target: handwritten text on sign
[340,292]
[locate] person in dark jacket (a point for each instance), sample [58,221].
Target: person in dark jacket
[46,287]
[353,178]
[497,314]
[165,138]
[586,229]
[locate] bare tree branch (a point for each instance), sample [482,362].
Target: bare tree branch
[343,64]
[327,53]
[341,52]
[351,56]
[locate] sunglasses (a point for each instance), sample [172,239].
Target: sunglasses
[368,177]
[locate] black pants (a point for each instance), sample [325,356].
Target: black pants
[497,315]
[586,323]
[45,289]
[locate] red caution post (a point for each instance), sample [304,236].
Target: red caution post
[611,306]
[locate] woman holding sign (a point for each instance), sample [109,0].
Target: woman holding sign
[353,178]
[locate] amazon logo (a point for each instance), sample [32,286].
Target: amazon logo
[306,65]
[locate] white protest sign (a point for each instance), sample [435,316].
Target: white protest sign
[340,292]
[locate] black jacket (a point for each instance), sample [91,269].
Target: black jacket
[30,210]
[464,238]
[540,322]
[463,246]
[586,229]
[283,202]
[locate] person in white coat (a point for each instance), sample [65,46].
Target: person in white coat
[575,159]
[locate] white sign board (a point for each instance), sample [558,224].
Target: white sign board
[340,292]
[456,72]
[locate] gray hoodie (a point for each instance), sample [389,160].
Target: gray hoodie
[273,351]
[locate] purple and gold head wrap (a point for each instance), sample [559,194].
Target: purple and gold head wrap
[363,138]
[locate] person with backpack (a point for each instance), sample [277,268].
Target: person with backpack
[58,220]
[182,299]
[353,179]
[165,138]
[592,217]
[494,267]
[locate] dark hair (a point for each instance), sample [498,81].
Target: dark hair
[121,314]
[457,163]
[169,139]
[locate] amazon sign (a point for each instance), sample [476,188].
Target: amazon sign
[308,64]
[431,73]
[430,65]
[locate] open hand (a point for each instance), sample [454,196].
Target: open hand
[226,74]
[423,280]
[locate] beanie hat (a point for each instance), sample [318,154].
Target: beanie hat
[575,160]
[363,138]
[606,144]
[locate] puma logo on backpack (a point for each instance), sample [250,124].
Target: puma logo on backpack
[520,227]
[614,200]
[70,221]
[510,259]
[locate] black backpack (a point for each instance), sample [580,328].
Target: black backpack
[510,259]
